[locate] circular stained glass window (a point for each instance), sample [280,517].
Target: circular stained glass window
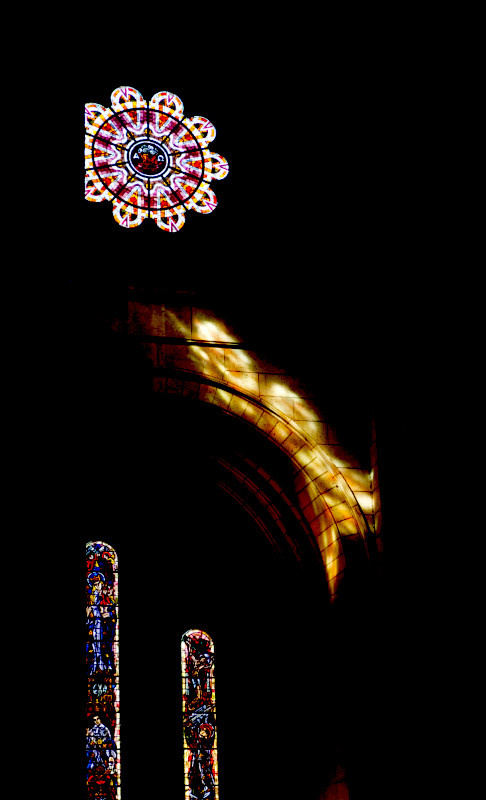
[150,160]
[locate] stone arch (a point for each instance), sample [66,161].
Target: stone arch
[193,351]
[327,507]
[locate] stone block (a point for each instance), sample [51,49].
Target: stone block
[293,443]
[176,356]
[307,492]
[176,321]
[365,501]
[206,326]
[333,497]
[174,386]
[222,398]
[244,381]
[313,509]
[280,433]
[249,361]
[328,532]
[334,547]
[191,389]
[325,482]
[333,565]
[347,527]
[312,429]
[272,385]
[237,405]
[208,361]
[144,319]
[357,479]
[282,405]
[275,486]
[301,480]
[376,500]
[206,393]
[267,422]
[156,320]
[304,456]
[305,409]
[341,511]
[252,413]
[261,471]
[315,468]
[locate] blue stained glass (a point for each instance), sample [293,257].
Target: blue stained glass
[102,674]
[199,717]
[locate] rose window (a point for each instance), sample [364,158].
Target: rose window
[149,160]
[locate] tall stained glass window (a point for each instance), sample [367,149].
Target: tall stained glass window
[199,717]
[102,673]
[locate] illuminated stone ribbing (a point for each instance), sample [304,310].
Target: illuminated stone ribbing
[319,491]
[328,476]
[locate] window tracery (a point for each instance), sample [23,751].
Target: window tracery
[150,160]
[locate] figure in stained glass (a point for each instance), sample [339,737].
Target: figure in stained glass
[100,746]
[101,623]
[103,718]
[199,711]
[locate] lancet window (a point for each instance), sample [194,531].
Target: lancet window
[199,717]
[102,674]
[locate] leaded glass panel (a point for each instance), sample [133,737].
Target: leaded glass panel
[199,717]
[150,160]
[102,674]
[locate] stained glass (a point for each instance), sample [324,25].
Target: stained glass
[102,672]
[150,160]
[199,717]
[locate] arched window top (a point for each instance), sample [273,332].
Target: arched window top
[99,555]
[199,716]
[198,639]
[102,673]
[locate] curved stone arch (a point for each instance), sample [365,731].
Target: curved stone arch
[263,509]
[326,501]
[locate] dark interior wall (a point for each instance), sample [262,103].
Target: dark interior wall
[309,681]
[350,227]
[190,556]
[103,474]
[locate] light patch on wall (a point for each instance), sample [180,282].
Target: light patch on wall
[199,352]
[285,411]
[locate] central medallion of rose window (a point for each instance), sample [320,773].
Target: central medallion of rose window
[148,158]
